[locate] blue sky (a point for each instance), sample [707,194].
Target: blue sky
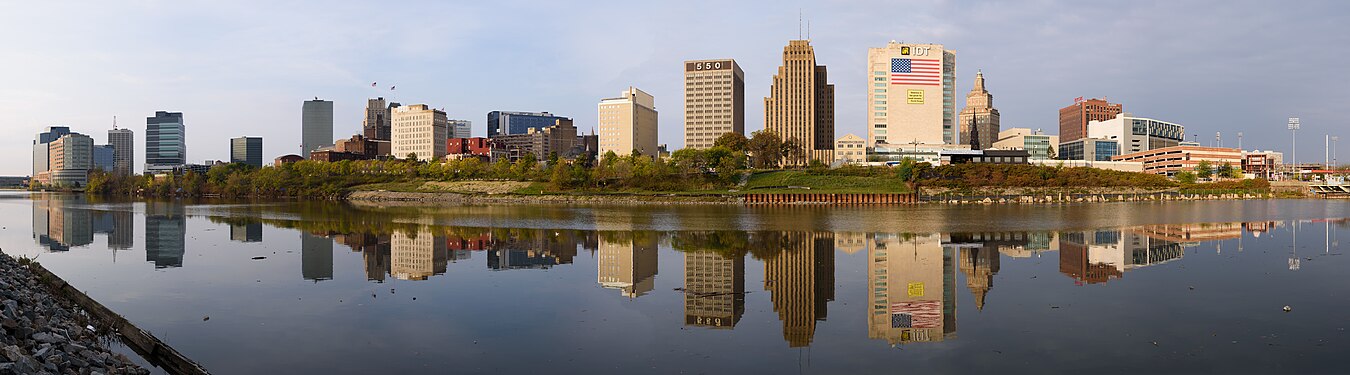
[244,67]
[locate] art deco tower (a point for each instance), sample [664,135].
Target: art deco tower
[979,120]
[801,103]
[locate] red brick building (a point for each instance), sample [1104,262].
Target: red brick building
[1073,120]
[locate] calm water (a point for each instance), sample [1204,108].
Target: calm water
[337,288]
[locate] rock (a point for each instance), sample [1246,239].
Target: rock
[44,337]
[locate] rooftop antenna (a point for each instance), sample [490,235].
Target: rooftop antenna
[808,29]
[114,122]
[799,23]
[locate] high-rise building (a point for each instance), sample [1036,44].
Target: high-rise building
[123,143]
[1074,119]
[800,105]
[508,122]
[103,158]
[979,120]
[714,289]
[376,124]
[714,101]
[316,126]
[247,150]
[627,265]
[800,281]
[69,159]
[418,129]
[165,142]
[460,128]
[42,149]
[911,94]
[628,123]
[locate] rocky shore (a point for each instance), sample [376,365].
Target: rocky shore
[446,198]
[45,334]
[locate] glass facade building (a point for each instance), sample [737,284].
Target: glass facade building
[247,150]
[165,142]
[1089,149]
[507,123]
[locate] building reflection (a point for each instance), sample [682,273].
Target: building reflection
[57,227]
[123,234]
[1099,256]
[375,252]
[714,289]
[978,255]
[316,257]
[628,263]
[532,248]
[250,231]
[912,285]
[165,233]
[800,281]
[417,255]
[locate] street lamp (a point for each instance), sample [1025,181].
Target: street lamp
[1293,141]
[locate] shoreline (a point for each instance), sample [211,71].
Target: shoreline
[939,196]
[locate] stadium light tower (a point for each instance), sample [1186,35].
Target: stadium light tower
[1293,142]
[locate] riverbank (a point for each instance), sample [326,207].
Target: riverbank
[43,333]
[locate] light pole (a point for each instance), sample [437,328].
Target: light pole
[1334,140]
[1293,143]
[1239,140]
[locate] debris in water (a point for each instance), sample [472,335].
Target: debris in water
[1192,288]
[206,318]
[1287,308]
[258,258]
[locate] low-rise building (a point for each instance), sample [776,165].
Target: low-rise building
[559,139]
[1123,166]
[1135,134]
[1170,160]
[1039,146]
[1262,164]
[287,159]
[850,149]
[360,145]
[332,156]
[985,156]
[1091,149]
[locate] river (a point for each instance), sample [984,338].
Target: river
[331,287]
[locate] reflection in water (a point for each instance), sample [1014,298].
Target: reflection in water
[165,234]
[627,264]
[912,278]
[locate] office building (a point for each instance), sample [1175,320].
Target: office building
[316,125]
[507,122]
[377,122]
[1170,160]
[1090,149]
[366,148]
[418,129]
[1135,134]
[714,101]
[165,142]
[979,120]
[850,149]
[559,139]
[1040,146]
[460,128]
[628,123]
[1074,119]
[800,105]
[123,142]
[42,149]
[714,289]
[102,158]
[628,265]
[911,95]
[247,150]
[69,159]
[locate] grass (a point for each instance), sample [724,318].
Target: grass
[778,182]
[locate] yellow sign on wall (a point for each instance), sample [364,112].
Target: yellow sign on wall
[915,289]
[914,96]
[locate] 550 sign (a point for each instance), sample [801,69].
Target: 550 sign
[707,65]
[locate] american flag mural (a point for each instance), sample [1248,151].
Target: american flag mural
[923,72]
[916,314]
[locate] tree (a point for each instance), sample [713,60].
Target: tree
[1204,169]
[766,149]
[1050,152]
[794,152]
[1185,177]
[412,156]
[1227,171]
[733,141]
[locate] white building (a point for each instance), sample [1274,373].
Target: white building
[628,123]
[418,129]
[850,149]
[1135,134]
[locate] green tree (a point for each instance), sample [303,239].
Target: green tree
[734,141]
[412,156]
[794,151]
[765,148]
[1204,169]
[1185,177]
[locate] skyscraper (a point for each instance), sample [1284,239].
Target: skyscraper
[508,122]
[42,149]
[316,126]
[800,105]
[910,94]
[1073,120]
[103,158]
[979,120]
[247,150]
[418,129]
[124,154]
[165,142]
[376,124]
[714,101]
[69,160]
[628,123]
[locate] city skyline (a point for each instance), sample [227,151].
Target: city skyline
[243,78]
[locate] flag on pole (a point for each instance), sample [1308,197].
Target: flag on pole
[391,88]
[372,84]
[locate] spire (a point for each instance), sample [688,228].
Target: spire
[979,80]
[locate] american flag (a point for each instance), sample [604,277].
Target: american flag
[927,72]
[916,314]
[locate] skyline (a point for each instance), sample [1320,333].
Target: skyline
[245,69]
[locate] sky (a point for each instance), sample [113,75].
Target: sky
[244,67]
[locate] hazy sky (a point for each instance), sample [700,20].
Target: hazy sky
[244,67]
